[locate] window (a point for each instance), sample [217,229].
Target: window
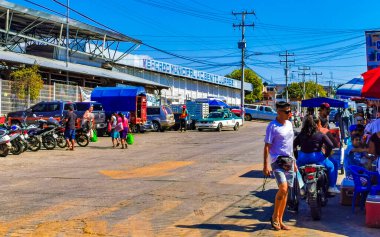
[151,111]
[82,106]
[52,107]
[251,106]
[67,106]
[97,107]
[168,110]
[268,109]
[39,107]
[261,108]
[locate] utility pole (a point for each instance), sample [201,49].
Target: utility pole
[303,74]
[242,45]
[67,40]
[316,82]
[287,61]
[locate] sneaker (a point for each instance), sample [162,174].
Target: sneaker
[333,190]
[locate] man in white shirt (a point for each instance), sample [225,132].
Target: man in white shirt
[279,142]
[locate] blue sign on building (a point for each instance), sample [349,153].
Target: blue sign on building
[190,73]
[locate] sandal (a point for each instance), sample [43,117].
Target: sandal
[275,225]
[284,227]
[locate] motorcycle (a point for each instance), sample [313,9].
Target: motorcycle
[4,143]
[46,134]
[316,186]
[81,137]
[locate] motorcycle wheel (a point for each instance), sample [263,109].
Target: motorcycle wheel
[24,146]
[34,144]
[82,140]
[4,150]
[316,211]
[16,147]
[61,141]
[49,142]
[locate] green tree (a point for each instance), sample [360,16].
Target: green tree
[251,77]
[296,90]
[27,82]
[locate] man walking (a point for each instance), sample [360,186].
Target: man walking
[70,120]
[183,119]
[279,142]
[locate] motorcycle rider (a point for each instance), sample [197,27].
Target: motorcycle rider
[311,141]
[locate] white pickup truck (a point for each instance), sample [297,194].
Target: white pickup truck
[259,112]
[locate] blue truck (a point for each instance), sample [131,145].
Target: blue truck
[130,100]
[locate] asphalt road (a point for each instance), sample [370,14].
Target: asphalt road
[166,184]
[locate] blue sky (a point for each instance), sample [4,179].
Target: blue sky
[327,35]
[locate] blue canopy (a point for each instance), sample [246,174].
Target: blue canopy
[117,98]
[316,102]
[217,103]
[352,88]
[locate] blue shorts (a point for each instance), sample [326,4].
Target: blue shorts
[283,176]
[114,134]
[70,134]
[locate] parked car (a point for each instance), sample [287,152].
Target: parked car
[99,115]
[219,120]
[161,117]
[332,115]
[237,110]
[41,110]
[259,112]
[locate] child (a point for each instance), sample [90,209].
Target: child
[355,154]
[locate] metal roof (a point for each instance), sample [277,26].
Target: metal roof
[76,68]
[51,24]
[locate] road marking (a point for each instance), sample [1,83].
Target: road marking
[155,170]
[20,223]
[83,224]
[140,225]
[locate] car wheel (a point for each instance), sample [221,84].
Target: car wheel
[200,129]
[219,128]
[248,117]
[156,126]
[236,127]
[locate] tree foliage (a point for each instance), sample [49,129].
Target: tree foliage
[251,77]
[27,81]
[295,90]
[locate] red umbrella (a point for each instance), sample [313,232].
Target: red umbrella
[371,87]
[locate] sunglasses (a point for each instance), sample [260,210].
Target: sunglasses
[286,111]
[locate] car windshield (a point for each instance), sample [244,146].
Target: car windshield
[216,115]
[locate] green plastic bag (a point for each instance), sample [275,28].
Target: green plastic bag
[130,139]
[94,137]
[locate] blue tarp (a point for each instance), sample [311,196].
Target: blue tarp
[116,99]
[316,102]
[217,103]
[352,88]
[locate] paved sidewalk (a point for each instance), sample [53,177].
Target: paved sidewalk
[250,217]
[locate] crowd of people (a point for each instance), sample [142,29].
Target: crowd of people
[118,127]
[359,131]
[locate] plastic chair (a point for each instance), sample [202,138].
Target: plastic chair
[358,172]
[374,188]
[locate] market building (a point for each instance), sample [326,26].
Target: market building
[76,57]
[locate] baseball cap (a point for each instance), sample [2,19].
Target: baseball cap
[324,106]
